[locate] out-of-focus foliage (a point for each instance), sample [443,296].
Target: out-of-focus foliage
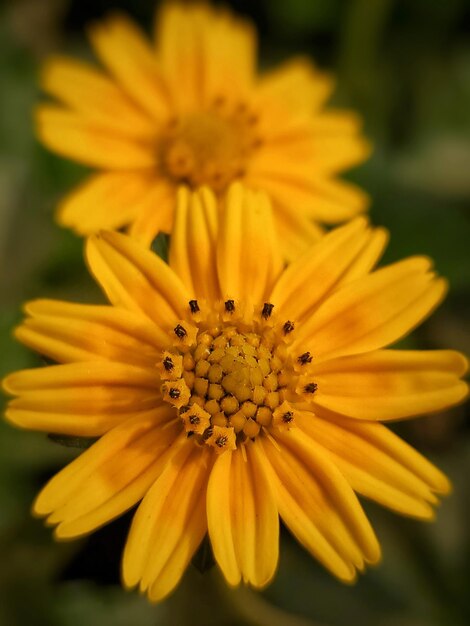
[405,65]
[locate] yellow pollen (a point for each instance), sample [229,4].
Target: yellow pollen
[210,147]
[232,383]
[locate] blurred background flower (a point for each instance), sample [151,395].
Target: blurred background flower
[405,66]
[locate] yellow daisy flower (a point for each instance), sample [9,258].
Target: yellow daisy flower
[192,110]
[227,390]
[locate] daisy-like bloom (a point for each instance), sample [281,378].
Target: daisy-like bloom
[228,391]
[192,111]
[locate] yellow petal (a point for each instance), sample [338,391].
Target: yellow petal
[308,280]
[193,243]
[248,255]
[390,384]
[95,488]
[318,505]
[297,85]
[67,332]
[294,230]
[169,524]
[323,200]
[219,519]
[80,398]
[198,47]
[91,93]
[339,152]
[155,213]
[108,200]
[136,278]
[373,311]
[243,524]
[378,464]
[125,51]
[74,136]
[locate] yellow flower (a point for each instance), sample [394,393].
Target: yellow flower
[193,111]
[227,390]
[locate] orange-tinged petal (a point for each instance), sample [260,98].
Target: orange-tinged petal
[378,464]
[136,278]
[307,281]
[295,232]
[94,95]
[322,200]
[74,136]
[67,332]
[155,213]
[318,505]
[390,384]
[297,84]
[199,47]
[243,524]
[338,152]
[169,524]
[248,257]
[109,200]
[219,519]
[95,488]
[125,51]
[193,243]
[373,311]
[85,398]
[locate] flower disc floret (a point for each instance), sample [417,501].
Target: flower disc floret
[232,377]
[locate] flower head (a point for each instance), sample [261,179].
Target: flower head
[227,390]
[193,111]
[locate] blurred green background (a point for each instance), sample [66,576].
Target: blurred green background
[405,65]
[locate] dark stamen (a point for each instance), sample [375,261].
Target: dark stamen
[230,306]
[267,310]
[194,306]
[221,441]
[168,364]
[288,327]
[180,332]
[311,388]
[288,417]
[194,419]
[305,358]
[174,393]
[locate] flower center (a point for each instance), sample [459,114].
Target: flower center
[232,376]
[210,147]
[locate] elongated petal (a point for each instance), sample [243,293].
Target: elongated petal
[305,284]
[85,398]
[73,136]
[390,384]
[169,524]
[339,152]
[155,213]
[193,243]
[248,255]
[297,84]
[136,278]
[108,200]
[91,93]
[242,518]
[374,311]
[322,200]
[318,505]
[199,47]
[68,332]
[124,50]
[95,488]
[296,231]
[378,464]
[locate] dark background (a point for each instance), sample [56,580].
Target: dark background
[405,65]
